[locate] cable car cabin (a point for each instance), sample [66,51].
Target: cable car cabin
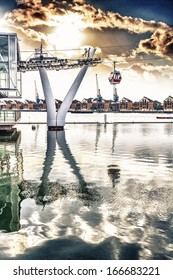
[115,77]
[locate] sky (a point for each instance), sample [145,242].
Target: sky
[136,34]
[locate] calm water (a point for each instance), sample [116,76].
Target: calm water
[93,191]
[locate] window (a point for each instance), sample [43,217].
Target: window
[9,81]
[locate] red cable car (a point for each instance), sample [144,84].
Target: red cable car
[115,77]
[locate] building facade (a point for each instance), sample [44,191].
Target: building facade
[145,104]
[10,79]
[125,104]
[168,103]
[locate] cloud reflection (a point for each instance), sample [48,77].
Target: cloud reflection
[126,213]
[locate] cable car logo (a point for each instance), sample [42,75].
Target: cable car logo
[115,77]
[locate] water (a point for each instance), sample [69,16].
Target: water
[93,191]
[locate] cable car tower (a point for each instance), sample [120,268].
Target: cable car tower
[42,62]
[114,79]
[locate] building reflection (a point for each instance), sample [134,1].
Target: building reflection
[11,166]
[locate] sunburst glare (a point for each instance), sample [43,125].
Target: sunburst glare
[68,33]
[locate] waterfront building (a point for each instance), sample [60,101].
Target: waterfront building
[107,105]
[145,104]
[125,104]
[168,103]
[84,104]
[89,103]
[25,104]
[157,105]
[30,104]
[16,104]
[2,104]
[97,104]
[135,106]
[114,106]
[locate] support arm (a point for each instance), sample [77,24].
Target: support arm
[60,121]
[50,101]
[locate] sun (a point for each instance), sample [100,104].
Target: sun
[68,33]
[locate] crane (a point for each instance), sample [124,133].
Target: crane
[99,97]
[37,99]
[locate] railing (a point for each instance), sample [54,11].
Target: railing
[9,116]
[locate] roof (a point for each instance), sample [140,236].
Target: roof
[75,101]
[169,97]
[146,98]
[124,98]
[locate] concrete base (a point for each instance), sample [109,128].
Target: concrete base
[55,128]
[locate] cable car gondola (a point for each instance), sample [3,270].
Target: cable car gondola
[115,77]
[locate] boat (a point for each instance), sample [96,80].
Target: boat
[82,112]
[164,117]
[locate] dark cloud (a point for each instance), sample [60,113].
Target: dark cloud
[149,45]
[160,43]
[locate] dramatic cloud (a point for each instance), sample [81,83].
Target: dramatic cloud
[98,19]
[38,19]
[33,13]
[160,43]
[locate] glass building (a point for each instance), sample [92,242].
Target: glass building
[10,79]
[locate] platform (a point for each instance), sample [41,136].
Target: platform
[8,119]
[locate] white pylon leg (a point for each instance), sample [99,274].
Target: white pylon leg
[50,101]
[61,114]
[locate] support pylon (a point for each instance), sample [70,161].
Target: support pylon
[57,122]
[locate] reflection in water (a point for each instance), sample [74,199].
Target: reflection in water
[116,203]
[61,140]
[43,195]
[114,174]
[114,133]
[86,194]
[48,191]
[98,130]
[10,175]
